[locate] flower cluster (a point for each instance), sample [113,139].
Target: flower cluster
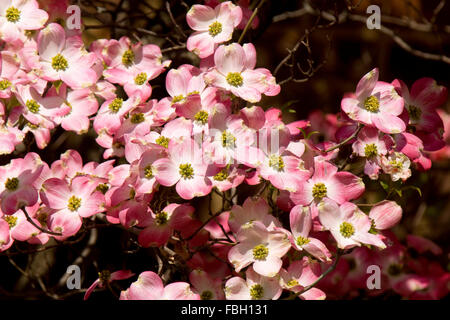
[206,138]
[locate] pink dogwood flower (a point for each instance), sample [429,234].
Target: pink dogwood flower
[349,226]
[212,26]
[17,16]
[300,274]
[207,287]
[234,71]
[260,247]
[254,287]
[160,225]
[385,214]
[64,58]
[301,223]
[397,165]
[149,286]
[327,182]
[375,103]
[421,103]
[186,168]
[105,277]
[18,183]
[371,144]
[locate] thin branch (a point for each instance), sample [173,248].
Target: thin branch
[247,26]
[38,227]
[353,136]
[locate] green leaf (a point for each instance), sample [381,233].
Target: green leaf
[384,185]
[413,188]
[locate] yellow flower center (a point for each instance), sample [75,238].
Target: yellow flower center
[292,283]
[222,175]
[59,63]
[163,141]
[228,140]
[276,162]
[103,187]
[372,104]
[177,98]
[12,184]
[12,14]
[128,58]
[104,276]
[4,84]
[186,171]
[260,252]
[319,190]
[137,118]
[32,106]
[115,105]
[346,229]
[215,28]
[370,150]
[256,291]
[74,203]
[148,172]
[11,220]
[140,79]
[206,295]
[161,218]
[302,241]
[201,116]
[235,79]
[414,112]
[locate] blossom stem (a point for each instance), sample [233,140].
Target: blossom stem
[247,26]
[346,140]
[38,227]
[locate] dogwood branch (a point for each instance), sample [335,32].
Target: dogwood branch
[38,227]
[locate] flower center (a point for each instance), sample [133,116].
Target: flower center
[4,84]
[206,295]
[292,283]
[346,229]
[128,58]
[319,190]
[32,106]
[161,218]
[276,162]
[396,164]
[104,276]
[414,112]
[201,116]
[186,171]
[74,203]
[372,104]
[235,79]
[222,175]
[103,187]
[148,172]
[302,241]
[370,150]
[12,14]
[260,252]
[115,105]
[177,98]
[11,220]
[137,118]
[257,291]
[163,141]
[140,79]
[228,140]
[215,28]
[12,184]
[59,63]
